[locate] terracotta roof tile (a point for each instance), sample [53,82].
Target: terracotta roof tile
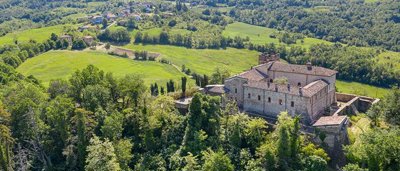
[314,87]
[252,75]
[219,89]
[301,69]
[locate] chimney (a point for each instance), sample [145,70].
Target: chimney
[301,91]
[309,65]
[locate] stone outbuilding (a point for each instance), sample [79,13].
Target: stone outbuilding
[68,38]
[88,40]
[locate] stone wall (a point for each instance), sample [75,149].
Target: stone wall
[319,102]
[235,85]
[353,103]
[262,105]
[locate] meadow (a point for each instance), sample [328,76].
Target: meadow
[261,35]
[361,89]
[38,34]
[390,59]
[61,64]
[203,61]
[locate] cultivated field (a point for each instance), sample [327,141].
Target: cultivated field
[39,34]
[261,35]
[61,64]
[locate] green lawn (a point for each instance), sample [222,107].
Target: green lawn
[39,34]
[261,35]
[204,61]
[361,89]
[61,64]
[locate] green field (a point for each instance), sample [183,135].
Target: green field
[390,59]
[39,34]
[361,89]
[61,64]
[261,35]
[204,61]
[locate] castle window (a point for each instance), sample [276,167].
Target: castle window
[259,97]
[248,95]
[292,104]
[271,80]
[299,84]
[269,99]
[280,102]
[235,90]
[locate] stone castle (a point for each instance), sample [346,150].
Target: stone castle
[309,91]
[274,86]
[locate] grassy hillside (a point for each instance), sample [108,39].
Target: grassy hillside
[204,61]
[361,89]
[39,34]
[61,64]
[390,59]
[261,35]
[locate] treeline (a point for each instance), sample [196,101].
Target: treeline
[351,64]
[17,53]
[190,41]
[155,91]
[351,22]
[120,35]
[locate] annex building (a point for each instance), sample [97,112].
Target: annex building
[274,86]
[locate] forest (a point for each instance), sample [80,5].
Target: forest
[350,22]
[96,122]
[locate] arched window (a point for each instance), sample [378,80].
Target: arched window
[259,97]
[248,95]
[235,90]
[271,80]
[292,104]
[299,84]
[280,102]
[269,99]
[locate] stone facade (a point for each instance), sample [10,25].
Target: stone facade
[305,90]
